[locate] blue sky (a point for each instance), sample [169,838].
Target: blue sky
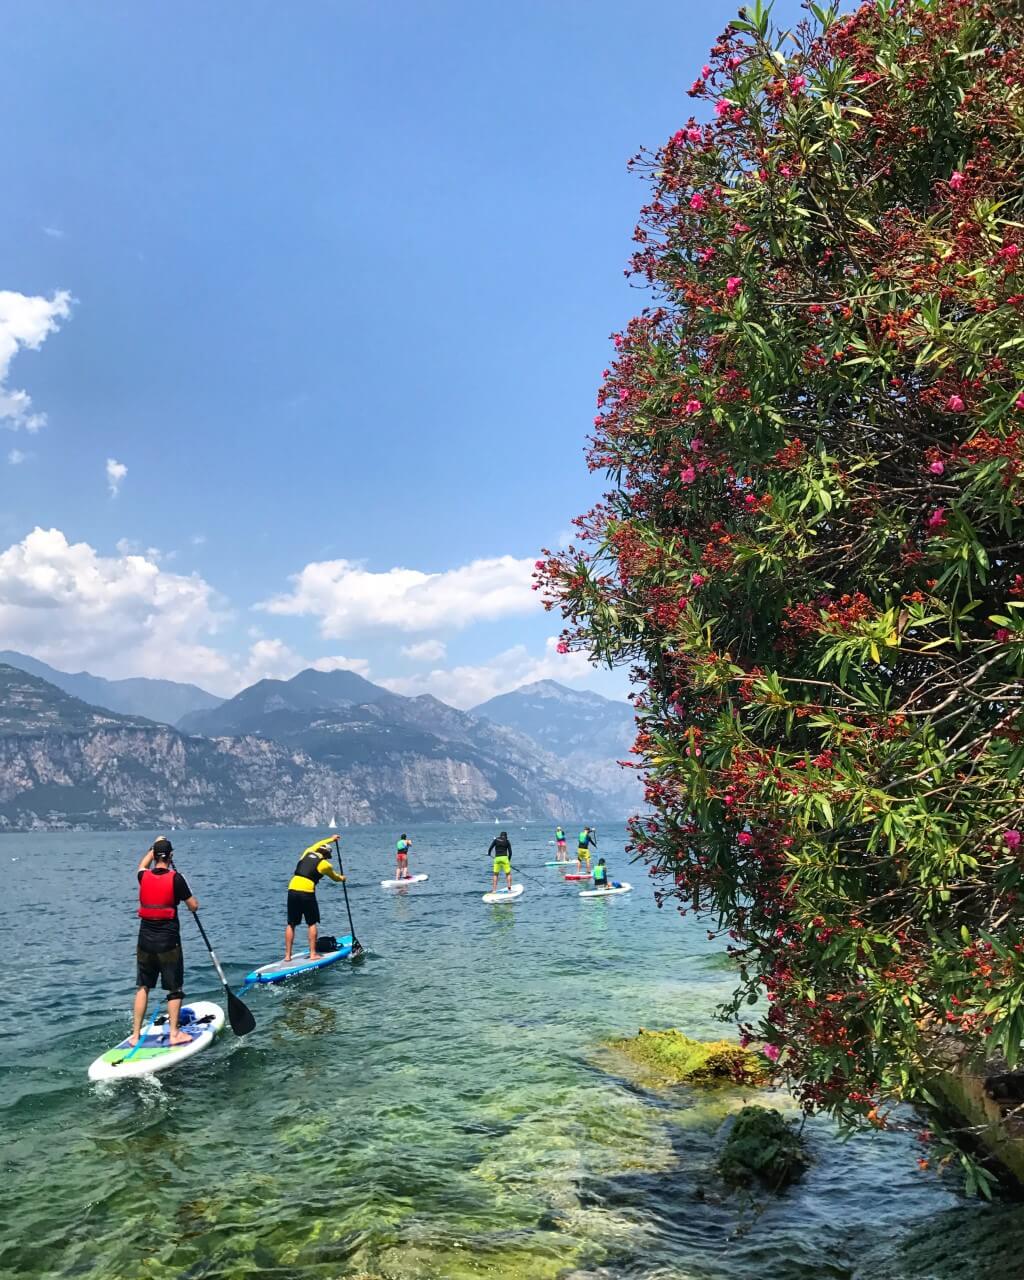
[341,278]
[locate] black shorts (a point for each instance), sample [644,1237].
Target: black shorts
[302,906]
[167,967]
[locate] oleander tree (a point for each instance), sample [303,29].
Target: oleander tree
[811,547]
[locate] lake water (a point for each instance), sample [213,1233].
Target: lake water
[447,1109]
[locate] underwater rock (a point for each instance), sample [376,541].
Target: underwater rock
[957,1245]
[762,1147]
[676,1059]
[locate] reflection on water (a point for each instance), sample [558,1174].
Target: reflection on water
[443,1110]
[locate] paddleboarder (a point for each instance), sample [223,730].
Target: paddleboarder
[560,850]
[584,842]
[158,954]
[501,847]
[601,880]
[302,904]
[402,857]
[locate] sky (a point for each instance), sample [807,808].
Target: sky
[303,312]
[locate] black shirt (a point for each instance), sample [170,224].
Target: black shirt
[162,935]
[501,847]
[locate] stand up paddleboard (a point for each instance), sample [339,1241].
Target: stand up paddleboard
[200,1020]
[559,862]
[606,893]
[578,875]
[505,895]
[300,962]
[397,884]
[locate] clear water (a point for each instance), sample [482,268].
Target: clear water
[445,1110]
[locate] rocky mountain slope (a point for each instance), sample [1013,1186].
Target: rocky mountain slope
[589,734]
[66,764]
[163,700]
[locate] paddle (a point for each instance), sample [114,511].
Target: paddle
[357,946]
[239,1014]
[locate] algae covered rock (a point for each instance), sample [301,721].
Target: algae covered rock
[676,1059]
[761,1147]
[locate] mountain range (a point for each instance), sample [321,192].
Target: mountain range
[321,745]
[163,700]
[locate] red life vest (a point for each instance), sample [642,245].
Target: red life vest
[156,896]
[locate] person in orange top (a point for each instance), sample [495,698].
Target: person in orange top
[158,955]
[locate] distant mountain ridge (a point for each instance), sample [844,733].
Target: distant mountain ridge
[163,700]
[298,751]
[587,732]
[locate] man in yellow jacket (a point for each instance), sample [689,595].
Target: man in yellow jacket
[302,904]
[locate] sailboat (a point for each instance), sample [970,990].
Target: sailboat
[333,824]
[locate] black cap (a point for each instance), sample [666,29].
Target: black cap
[162,848]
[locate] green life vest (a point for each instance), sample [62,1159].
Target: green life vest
[401,846]
[600,875]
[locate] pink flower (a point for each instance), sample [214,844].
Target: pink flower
[683,602]
[956,180]
[733,285]
[1019,402]
[771,1052]
[1011,838]
[561,647]
[1004,635]
[745,839]
[538,564]
[722,107]
[937,468]
[687,475]
[937,520]
[955,404]
[798,84]
[693,405]
[697,580]
[706,255]
[693,134]
[698,202]
[705,71]
[1009,252]
[744,1040]
[696,444]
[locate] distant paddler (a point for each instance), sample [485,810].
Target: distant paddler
[402,857]
[501,847]
[158,955]
[302,904]
[585,841]
[560,849]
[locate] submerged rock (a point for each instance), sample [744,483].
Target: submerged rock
[676,1059]
[762,1147]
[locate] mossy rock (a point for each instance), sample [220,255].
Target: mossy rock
[761,1147]
[677,1059]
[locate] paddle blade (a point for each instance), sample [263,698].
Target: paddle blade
[358,950]
[240,1016]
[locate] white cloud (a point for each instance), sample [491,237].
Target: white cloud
[466,686]
[426,651]
[116,472]
[119,615]
[16,457]
[346,597]
[274,660]
[198,539]
[25,322]
[54,233]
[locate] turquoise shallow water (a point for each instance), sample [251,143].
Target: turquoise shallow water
[444,1110]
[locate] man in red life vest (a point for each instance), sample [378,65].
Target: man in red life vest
[159,956]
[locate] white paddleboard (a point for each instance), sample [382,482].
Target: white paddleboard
[606,893]
[397,884]
[505,895]
[154,1053]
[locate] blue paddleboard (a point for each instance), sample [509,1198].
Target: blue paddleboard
[300,962]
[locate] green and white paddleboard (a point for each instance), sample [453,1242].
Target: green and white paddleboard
[200,1020]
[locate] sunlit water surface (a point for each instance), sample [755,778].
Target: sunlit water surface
[446,1109]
